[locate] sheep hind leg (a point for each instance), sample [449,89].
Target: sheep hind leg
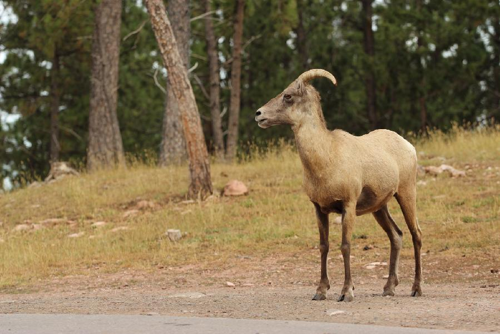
[407,200]
[323,226]
[347,293]
[395,235]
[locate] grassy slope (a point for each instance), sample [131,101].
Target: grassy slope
[458,216]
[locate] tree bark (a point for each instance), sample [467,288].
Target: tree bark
[213,65]
[422,86]
[55,147]
[199,165]
[234,106]
[105,141]
[173,145]
[302,38]
[369,47]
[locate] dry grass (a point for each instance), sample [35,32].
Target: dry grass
[458,216]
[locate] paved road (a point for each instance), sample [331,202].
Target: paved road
[136,324]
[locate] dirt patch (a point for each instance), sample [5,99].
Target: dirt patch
[279,288]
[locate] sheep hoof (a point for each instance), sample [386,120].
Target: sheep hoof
[347,296]
[319,296]
[388,292]
[416,291]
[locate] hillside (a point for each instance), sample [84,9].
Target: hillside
[112,221]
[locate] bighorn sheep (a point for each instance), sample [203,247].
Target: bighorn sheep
[349,175]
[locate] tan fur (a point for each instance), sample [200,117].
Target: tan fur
[349,175]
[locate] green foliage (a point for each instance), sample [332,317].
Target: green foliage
[444,55]
[42,29]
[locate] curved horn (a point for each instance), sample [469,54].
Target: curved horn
[311,74]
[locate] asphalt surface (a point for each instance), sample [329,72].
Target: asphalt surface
[153,324]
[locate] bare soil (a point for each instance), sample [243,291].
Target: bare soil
[461,292]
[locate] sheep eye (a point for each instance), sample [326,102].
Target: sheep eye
[287,97]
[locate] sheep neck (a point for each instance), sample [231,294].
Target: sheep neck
[312,140]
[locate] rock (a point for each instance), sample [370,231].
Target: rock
[337,220]
[37,227]
[439,197]
[454,172]
[214,198]
[144,205]
[76,235]
[334,312]
[385,276]
[98,224]
[368,247]
[174,235]
[130,213]
[235,188]
[375,264]
[151,313]
[230,284]
[59,170]
[420,170]
[53,222]
[433,170]
[35,184]
[190,295]
[22,227]
[120,228]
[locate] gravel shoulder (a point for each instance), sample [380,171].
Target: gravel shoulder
[460,293]
[459,306]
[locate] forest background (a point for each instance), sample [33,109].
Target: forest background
[403,65]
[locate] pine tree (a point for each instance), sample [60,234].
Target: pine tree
[173,145]
[105,141]
[234,107]
[214,80]
[199,165]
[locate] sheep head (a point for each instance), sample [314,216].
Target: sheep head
[298,103]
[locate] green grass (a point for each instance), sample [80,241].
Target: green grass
[457,215]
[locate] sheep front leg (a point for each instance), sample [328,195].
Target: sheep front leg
[323,226]
[347,293]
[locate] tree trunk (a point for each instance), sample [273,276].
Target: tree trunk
[54,109]
[173,144]
[369,47]
[213,65]
[302,38]
[199,165]
[422,86]
[105,141]
[234,106]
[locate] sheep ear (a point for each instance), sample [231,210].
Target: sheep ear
[299,87]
